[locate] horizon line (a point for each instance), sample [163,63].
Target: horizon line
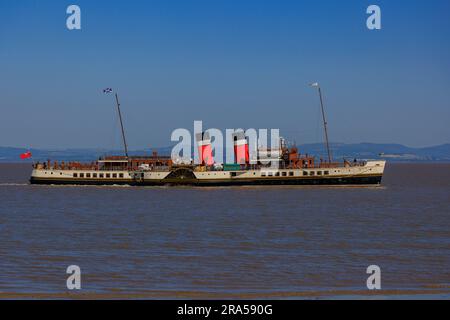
[170,146]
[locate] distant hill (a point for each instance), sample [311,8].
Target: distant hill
[391,152]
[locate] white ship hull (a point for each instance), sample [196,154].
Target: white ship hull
[369,173]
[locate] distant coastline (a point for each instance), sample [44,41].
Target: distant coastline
[390,152]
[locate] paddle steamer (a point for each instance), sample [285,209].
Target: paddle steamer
[293,168]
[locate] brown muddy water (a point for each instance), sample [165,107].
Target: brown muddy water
[239,242]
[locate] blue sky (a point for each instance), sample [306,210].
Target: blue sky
[229,63]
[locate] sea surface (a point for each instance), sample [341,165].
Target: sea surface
[237,242]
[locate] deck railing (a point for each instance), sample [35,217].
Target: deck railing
[282,166]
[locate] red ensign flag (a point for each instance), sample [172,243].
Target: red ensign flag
[25,155]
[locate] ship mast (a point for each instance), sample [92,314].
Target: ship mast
[121,126]
[316,84]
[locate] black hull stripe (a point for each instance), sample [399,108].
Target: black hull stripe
[350,180]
